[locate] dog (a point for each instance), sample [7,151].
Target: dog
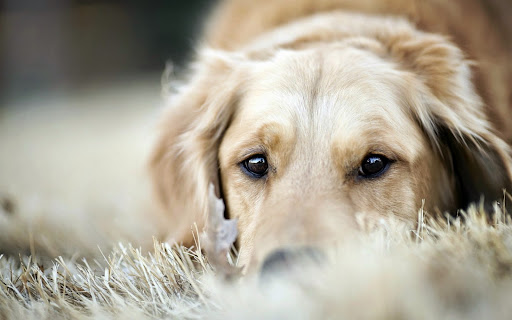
[305,114]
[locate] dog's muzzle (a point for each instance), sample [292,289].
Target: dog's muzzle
[290,260]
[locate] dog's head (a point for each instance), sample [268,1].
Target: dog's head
[302,134]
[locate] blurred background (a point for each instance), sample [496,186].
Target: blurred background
[49,45]
[80,97]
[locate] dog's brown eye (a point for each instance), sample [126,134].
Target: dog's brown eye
[256,166]
[373,166]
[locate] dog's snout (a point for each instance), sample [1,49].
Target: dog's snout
[277,259]
[287,259]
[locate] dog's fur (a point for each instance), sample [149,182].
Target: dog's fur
[316,85]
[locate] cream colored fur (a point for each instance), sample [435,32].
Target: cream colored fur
[318,85]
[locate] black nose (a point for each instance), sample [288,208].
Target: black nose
[291,259]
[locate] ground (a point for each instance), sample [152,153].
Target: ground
[73,174]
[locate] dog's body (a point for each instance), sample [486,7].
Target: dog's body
[481,29]
[307,113]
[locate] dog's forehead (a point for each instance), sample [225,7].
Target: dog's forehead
[332,88]
[326,100]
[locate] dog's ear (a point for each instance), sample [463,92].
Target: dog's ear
[445,103]
[184,161]
[481,167]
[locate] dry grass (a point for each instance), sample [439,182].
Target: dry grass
[68,204]
[446,269]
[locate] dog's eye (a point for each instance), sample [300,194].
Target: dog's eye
[373,166]
[256,165]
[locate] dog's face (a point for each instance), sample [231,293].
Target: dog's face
[318,137]
[301,141]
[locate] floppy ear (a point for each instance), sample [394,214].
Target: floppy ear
[184,161]
[452,114]
[481,168]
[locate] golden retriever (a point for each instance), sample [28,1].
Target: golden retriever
[306,113]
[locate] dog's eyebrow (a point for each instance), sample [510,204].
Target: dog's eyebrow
[348,154]
[391,153]
[252,151]
[242,149]
[246,149]
[264,139]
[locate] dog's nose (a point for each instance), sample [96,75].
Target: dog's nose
[284,260]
